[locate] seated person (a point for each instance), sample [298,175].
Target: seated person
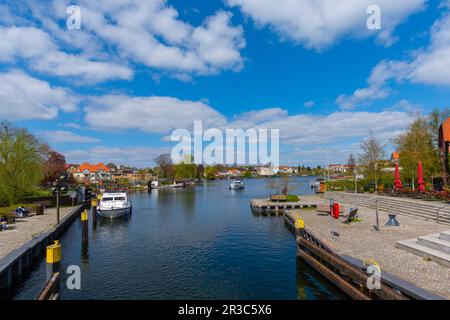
[22,212]
[352,215]
[4,223]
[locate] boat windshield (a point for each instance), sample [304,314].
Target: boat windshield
[107,199]
[119,198]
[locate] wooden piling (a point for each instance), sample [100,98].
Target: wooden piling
[84,227]
[326,261]
[51,289]
[53,266]
[94,212]
[333,277]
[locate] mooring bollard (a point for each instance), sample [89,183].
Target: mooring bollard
[53,258]
[94,212]
[84,226]
[300,225]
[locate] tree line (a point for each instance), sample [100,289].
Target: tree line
[419,142]
[26,164]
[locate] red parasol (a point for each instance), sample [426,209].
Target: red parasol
[420,177]
[397,182]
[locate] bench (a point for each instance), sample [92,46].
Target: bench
[278,198]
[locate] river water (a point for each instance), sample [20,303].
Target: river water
[201,242]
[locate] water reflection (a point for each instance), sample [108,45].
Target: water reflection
[311,284]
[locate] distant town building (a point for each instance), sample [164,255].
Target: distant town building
[287,170]
[92,173]
[98,173]
[339,168]
[267,171]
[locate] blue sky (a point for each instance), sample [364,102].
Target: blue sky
[137,70]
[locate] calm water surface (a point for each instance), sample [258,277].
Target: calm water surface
[196,243]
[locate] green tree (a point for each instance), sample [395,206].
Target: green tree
[210,173]
[22,157]
[165,166]
[415,145]
[351,162]
[247,174]
[435,119]
[185,171]
[371,158]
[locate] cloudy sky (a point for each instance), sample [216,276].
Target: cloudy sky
[138,69]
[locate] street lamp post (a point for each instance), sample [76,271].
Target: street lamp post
[59,186]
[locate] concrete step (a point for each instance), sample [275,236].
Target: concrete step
[434,242]
[445,235]
[434,255]
[398,206]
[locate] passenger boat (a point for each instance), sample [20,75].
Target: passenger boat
[237,184]
[114,205]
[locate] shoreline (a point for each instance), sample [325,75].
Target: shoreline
[361,241]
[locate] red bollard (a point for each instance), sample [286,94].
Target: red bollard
[335,211]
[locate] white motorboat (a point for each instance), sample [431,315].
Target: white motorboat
[114,205]
[237,184]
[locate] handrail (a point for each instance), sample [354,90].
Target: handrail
[51,288]
[439,209]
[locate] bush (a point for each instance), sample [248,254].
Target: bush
[292,198]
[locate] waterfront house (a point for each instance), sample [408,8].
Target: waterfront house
[338,168]
[92,173]
[267,171]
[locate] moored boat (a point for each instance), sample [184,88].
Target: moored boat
[237,184]
[114,205]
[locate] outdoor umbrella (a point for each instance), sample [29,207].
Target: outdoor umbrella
[420,181]
[397,182]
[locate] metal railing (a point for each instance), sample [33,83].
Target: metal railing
[51,289]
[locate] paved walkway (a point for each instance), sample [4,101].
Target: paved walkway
[26,229]
[360,240]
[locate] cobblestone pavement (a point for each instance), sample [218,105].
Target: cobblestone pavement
[27,228]
[362,241]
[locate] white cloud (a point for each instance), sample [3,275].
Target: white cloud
[252,118]
[71,125]
[318,24]
[134,156]
[43,55]
[427,66]
[309,104]
[149,114]
[162,115]
[24,97]
[60,136]
[337,127]
[433,65]
[151,33]
[322,155]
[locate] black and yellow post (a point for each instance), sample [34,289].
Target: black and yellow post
[299,225]
[84,235]
[84,226]
[94,212]
[53,258]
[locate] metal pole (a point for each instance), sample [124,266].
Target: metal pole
[377,227]
[376,177]
[57,205]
